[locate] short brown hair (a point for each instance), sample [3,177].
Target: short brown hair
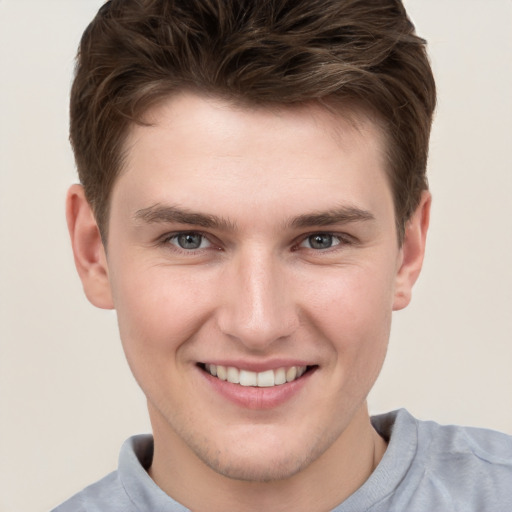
[137,52]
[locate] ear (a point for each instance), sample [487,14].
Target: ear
[90,257]
[412,252]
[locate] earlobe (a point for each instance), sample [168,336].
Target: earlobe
[88,250]
[412,252]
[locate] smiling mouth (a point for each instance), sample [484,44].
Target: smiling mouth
[265,379]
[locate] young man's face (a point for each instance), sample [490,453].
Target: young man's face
[262,241]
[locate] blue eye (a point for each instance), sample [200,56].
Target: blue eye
[320,241]
[189,241]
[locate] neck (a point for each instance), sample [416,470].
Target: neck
[322,485]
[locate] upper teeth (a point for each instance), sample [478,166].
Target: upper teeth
[264,379]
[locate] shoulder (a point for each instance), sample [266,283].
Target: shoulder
[469,447]
[120,490]
[106,495]
[465,467]
[477,455]
[129,489]
[435,443]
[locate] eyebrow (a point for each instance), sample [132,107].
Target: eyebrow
[343,215]
[168,214]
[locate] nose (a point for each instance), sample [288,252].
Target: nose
[258,306]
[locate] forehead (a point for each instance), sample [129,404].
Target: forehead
[186,111]
[192,148]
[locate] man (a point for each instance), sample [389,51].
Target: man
[253,203]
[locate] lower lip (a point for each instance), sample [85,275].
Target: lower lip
[255,398]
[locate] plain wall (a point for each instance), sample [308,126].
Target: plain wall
[67,398]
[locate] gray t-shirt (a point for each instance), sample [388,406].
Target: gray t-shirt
[426,468]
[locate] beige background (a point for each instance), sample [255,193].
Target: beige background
[67,399]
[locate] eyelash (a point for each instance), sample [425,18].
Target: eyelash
[342,238]
[166,240]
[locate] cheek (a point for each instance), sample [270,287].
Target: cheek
[353,311]
[157,312]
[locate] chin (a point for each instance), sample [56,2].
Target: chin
[251,470]
[262,460]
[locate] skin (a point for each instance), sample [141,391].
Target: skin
[256,293]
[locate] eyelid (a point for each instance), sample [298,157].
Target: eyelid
[165,240]
[344,239]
